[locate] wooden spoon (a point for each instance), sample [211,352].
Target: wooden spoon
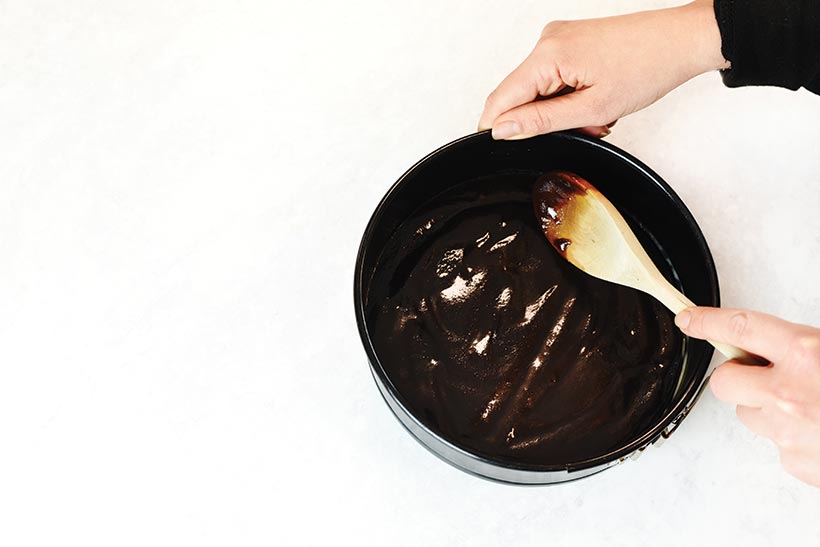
[586,229]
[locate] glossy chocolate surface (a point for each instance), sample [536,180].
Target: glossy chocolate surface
[502,347]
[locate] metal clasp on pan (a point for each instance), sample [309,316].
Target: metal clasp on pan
[665,434]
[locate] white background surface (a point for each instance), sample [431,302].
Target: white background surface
[183,186]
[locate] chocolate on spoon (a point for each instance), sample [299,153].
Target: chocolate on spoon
[587,230]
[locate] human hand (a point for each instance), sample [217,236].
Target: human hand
[780,401]
[616,66]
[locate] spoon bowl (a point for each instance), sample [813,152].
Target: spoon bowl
[587,230]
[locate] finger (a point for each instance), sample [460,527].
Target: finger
[754,419]
[766,424]
[599,131]
[521,86]
[577,109]
[785,430]
[742,385]
[801,464]
[759,333]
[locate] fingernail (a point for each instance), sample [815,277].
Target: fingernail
[683,318]
[505,130]
[604,133]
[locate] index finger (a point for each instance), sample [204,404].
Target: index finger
[759,333]
[521,86]
[741,384]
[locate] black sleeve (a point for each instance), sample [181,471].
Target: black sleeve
[770,42]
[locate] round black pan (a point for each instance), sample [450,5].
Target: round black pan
[660,219]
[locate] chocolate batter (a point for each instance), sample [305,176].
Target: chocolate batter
[502,347]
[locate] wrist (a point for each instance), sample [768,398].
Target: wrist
[698,19]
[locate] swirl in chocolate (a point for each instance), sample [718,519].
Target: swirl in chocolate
[502,347]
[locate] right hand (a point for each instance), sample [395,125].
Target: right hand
[616,66]
[781,401]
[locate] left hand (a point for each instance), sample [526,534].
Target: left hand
[613,66]
[780,401]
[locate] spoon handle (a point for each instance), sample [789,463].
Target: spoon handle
[677,302]
[739,355]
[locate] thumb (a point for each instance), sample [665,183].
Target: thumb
[577,109]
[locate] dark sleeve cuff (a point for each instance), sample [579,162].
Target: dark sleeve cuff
[770,42]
